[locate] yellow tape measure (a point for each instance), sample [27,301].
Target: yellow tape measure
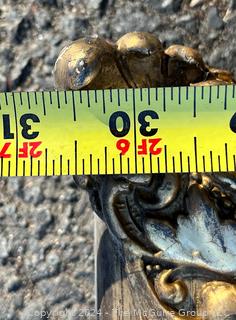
[118,131]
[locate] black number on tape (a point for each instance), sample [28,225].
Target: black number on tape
[26,127]
[113,124]
[145,129]
[145,124]
[7,134]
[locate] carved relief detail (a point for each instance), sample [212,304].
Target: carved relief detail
[177,232]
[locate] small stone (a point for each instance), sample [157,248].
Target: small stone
[53,3]
[43,20]
[93,4]
[23,29]
[43,219]
[33,193]
[212,35]
[14,284]
[3,250]
[171,5]
[189,22]
[53,261]
[14,185]
[217,57]
[195,3]
[230,15]
[214,21]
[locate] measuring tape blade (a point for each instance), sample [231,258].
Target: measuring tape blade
[118,131]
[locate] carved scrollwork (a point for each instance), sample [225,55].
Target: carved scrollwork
[182,232]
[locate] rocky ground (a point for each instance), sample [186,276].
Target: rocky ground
[46,224]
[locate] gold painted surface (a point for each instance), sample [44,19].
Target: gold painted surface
[179,229]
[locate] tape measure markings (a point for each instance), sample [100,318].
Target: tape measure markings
[76,156]
[210,92]
[46,161]
[164,99]
[194,103]
[225,102]
[58,100]
[16,128]
[73,102]
[83,166]
[103,103]
[195,152]
[226,157]
[219,163]
[135,133]
[14,107]
[9,168]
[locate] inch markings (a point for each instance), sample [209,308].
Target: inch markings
[118,131]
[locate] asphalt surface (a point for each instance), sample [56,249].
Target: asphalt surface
[46,224]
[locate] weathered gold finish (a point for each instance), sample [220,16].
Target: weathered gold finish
[88,63]
[217,300]
[140,52]
[171,293]
[221,74]
[175,233]
[137,59]
[185,65]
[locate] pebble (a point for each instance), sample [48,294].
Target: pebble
[171,5]
[93,4]
[53,261]
[43,20]
[214,21]
[20,33]
[189,22]
[14,284]
[43,219]
[53,3]
[3,249]
[33,193]
[195,3]
[230,16]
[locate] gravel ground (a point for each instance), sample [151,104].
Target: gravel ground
[46,224]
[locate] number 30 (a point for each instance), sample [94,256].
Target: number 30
[144,124]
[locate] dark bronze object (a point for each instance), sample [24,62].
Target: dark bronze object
[174,234]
